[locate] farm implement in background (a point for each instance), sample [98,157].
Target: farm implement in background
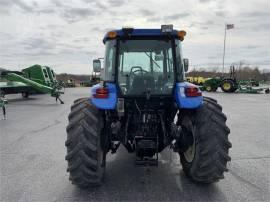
[35,79]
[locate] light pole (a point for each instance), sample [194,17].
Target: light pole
[227,26]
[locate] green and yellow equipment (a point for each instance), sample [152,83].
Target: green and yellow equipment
[38,74]
[231,84]
[51,75]
[30,80]
[227,84]
[197,80]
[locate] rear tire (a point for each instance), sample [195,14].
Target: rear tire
[228,86]
[205,159]
[84,153]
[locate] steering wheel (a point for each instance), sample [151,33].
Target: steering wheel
[135,69]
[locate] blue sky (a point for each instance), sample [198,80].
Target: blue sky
[67,35]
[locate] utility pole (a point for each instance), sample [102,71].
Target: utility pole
[227,26]
[224,48]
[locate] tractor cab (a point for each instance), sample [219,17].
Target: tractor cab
[144,61]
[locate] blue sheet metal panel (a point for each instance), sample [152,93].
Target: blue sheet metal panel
[142,32]
[108,103]
[186,102]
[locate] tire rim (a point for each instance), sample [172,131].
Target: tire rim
[208,88]
[227,86]
[189,154]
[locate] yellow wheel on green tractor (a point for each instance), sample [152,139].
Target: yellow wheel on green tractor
[227,86]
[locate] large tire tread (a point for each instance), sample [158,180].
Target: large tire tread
[212,144]
[83,142]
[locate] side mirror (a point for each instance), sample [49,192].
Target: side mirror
[186,63]
[96,65]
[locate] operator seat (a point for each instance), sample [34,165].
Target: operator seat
[141,84]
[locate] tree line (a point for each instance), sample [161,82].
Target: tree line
[241,73]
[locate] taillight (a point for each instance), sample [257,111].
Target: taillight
[192,91]
[101,93]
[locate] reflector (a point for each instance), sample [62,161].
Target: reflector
[101,93]
[192,91]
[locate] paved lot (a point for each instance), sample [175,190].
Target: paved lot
[33,166]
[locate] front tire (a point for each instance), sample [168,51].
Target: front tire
[205,159]
[85,156]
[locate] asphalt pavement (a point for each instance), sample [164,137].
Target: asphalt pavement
[33,166]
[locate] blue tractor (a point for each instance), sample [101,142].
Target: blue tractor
[145,104]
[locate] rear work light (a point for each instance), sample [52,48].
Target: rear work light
[101,93]
[192,91]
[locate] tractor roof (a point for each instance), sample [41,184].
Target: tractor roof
[138,32]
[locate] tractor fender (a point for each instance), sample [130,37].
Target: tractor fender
[184,102]
[105,103]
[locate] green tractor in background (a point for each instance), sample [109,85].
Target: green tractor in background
[227,84]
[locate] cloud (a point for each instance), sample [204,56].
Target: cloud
[35,4]
[255,14]
[251,47]
[61,32]
[37,43]
[264,26]
[220,13]
[23,5]
[116,3]
[176,16]
[37,53]
[82,40]
[204,28]
[57,3]
[171,17]
[6,5]
[205,1]
[146,12]
[6,37]
[46,11]
[76,14]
